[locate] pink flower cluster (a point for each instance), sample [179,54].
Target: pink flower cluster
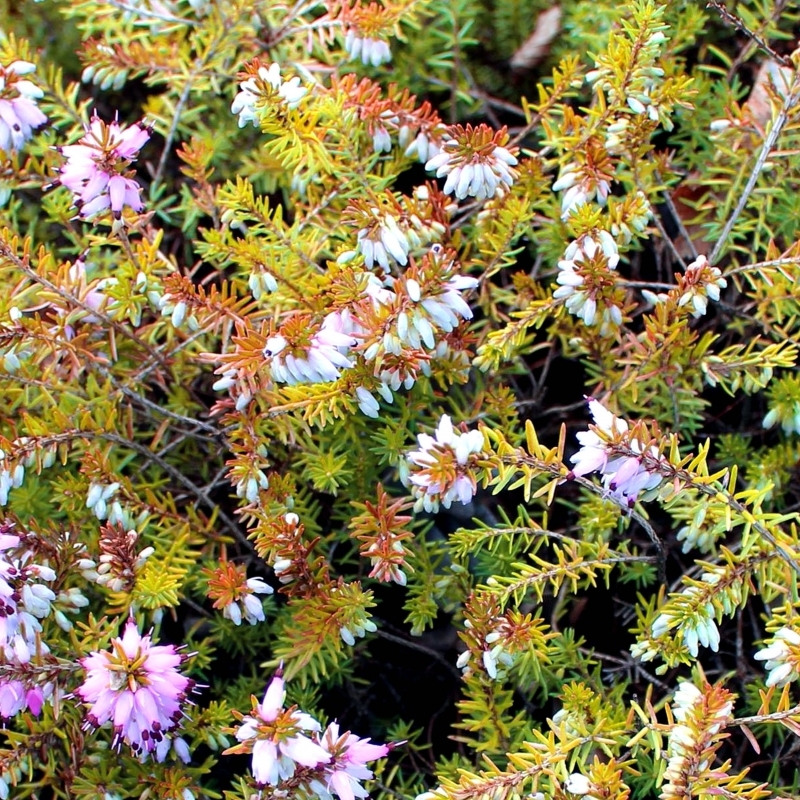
[137,687]
[97,168]
[445,463]
[620,458]
[282,749]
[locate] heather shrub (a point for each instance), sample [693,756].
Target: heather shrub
[399,399]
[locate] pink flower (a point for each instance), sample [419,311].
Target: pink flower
[19,114]
[137,686]
[277,742]
[349,756]
[14,697]
[97,171]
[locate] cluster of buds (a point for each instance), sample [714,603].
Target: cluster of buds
[475,162]
[288,744]
[628,466]
[494,640]
[239,389]
[693,613]
[10,478]
[19,114]
[137,686]
[639,91]
[443,468]
[587,282]
[178,311]
[261,282]
[282,543]
[381,529]
[249,479]
[389,232]
[782,656]
[693,740]
[119,560]
[579,785]
[236,594]
[97,170]
[24,601]
[701,530]
[262,88]
[493,653]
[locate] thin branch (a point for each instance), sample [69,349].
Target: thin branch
[737,23]
[143,12]
[776,716]
[789,104]
[176,117]
[413,645]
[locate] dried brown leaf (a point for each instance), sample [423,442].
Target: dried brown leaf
[537,45]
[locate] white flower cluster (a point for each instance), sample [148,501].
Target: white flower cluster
[579,188]
[19,114]
[418,144]
[357,630]
[261,283]
[624,476]
[323,359]
[493,656]
[703,284]
[13,477]
[382,241]
[481,177]
[177,311]
[369,50]
[247,103]
[580,785]
[24,600]
[782,656]
[248,606]
[282,565]
[238,389]
[582,259]
[251,484]
[784,399]
[421,318]
[699,627]
[98,497]
[444,464]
